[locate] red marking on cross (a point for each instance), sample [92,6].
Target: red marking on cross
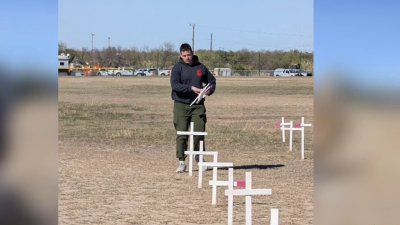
[241,183]
[297,125]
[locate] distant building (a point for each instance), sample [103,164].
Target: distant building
[63,64]
[224,72]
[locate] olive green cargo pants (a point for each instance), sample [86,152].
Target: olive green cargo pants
[183,115]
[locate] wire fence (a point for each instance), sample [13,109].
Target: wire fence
[225,72]
[252,73]
[245,73]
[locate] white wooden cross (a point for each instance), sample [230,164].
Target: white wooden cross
[201,153]
[248,192]
[219,183]
[300,128]
[215,165]
[191,135]
[274,220]
[283,128]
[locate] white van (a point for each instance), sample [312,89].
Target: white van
[284,73]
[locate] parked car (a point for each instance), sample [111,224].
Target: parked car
[139,72]
[102,72]
[300,72]
[280,72]
[164,72]
[152,72]
[303,72]
[146,72]
[121,72]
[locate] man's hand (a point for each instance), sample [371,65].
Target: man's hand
[208,91]
[196,90]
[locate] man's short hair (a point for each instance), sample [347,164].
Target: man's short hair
[185,47]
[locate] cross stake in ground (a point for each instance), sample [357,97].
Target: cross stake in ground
[191,135]
[248,192]
[201,153]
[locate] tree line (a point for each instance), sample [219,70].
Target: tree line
[167,55]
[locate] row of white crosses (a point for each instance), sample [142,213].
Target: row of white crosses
[248,191]
[293,127]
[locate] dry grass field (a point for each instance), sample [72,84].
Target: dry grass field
[117,151]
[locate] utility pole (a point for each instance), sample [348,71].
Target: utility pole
[259,64]
[193,26]
[211,40]
[109,39]
[92,41]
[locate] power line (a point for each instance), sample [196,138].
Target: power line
[241,30]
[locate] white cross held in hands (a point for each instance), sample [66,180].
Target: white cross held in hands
[191,135]
[201,95]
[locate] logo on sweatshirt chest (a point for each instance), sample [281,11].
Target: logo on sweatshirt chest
[199,73]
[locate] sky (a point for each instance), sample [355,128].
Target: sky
[235,24]
[28,35]
[360,39]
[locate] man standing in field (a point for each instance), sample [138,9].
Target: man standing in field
[187,79]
